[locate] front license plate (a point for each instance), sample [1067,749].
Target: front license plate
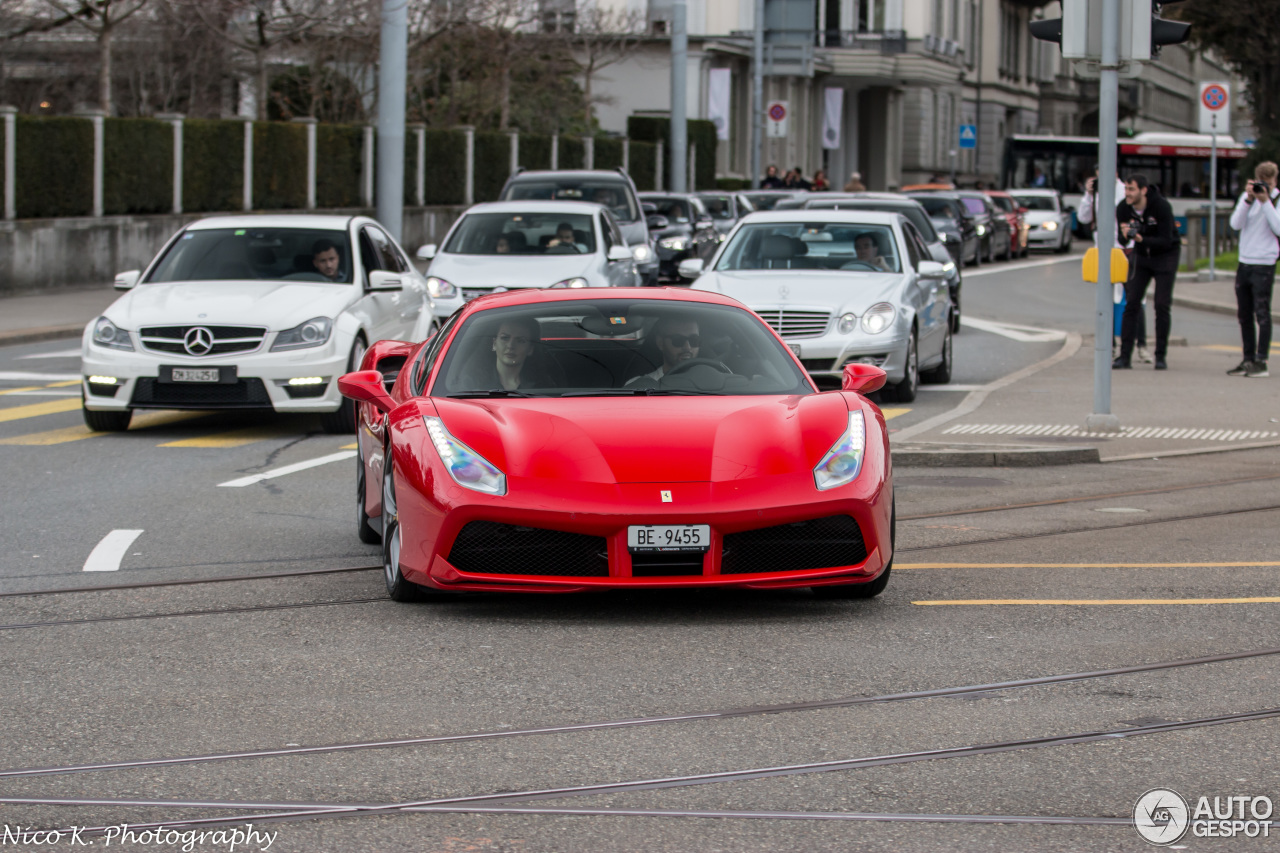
[669,537]
[795,348]
[196,374]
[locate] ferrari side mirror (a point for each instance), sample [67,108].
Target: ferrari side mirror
[863,378]
[365,386]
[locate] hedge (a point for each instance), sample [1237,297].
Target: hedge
[608,153]
[410,166]
[702,137]
[446,166]
[279,165]
[732,184]
[212,165]
[137,166]
[535,151]
[54,167]
[643,169]
[493,164]
[339,162]
[573,153]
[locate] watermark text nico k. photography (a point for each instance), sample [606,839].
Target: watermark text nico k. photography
[230,839]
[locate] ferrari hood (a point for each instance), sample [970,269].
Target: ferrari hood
[274,304]
[510,271]
[835,289]
[649,439]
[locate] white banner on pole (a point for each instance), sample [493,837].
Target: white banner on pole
[832,118]
[719,86]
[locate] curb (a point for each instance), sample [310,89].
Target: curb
[923,455]
[45,333]
[1213,307]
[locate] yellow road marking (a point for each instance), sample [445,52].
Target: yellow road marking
[1085,565]
[890,414]
[141,421]
[349,447]
[40,387]
[231,438]
[34,410]
[1220,347]
[1100,601]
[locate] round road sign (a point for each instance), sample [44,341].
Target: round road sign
[777,112]
[1214,97]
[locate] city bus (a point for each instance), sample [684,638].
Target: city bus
[1178,163]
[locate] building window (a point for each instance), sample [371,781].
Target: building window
[870,16]
[970,36]
[953,23]
[556,16]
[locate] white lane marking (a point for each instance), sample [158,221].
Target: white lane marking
[1078,431]
[62,353]
[1023,266]
[288,469]
[110,551]
[24,376]
[953,388]
[1025,334]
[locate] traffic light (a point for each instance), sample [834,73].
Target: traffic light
[1142,31]
[1166,32]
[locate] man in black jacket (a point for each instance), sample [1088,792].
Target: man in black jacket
[1147,218]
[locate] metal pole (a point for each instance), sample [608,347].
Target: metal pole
[679,92]
[1108,98]
[392,71]
[757,95]
[1213,201]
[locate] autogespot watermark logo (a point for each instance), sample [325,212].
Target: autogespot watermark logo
[1163,817]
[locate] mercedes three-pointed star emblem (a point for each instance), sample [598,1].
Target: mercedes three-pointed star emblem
[198,341]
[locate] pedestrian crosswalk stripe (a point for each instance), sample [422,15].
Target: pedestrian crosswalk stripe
[231,438]
[33,410]
[1077,431]
[890,414]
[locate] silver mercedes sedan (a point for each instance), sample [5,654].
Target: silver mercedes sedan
[841,287]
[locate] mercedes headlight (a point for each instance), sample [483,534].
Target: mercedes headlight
[440,289]
[675,244]
[982,229]
[467,468]
[878,318]
[577,281]
[313,333]
[847,323]
[1050,226]
[108,334]
[642,253]
[844,460]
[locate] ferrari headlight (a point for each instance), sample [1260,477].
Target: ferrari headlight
[108,334]
[642,253]
[313,333]
[440,289]
[847,323]
[1050,226]
[878,318]
[571,282]
[467,468]
[844,460]
[675,244]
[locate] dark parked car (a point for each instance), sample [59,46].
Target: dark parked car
[993,226]
[725,208]
[1014,213]
[684,231]
[916,215]
[953,221]
[768,199]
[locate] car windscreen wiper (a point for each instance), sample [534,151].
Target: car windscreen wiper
[641,392]
[494,392]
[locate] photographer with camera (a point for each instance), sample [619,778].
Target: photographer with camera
[1146,217]
[1258,222]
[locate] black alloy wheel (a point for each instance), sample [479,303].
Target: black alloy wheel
[368,535]
[941,374]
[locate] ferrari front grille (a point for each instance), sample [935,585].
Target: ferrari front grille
[796,324]
[490,548]
[822,543]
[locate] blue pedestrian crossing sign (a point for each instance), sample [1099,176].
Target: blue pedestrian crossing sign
[968,136]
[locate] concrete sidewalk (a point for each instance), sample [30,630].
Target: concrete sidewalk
[51,314]
[1217,296]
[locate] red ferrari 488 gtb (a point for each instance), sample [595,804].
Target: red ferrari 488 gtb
[563,440]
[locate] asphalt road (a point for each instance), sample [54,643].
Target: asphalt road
[1163,561]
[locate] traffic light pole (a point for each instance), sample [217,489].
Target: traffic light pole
[1102,420]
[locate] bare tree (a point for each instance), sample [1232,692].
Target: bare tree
[101,18]
[602,37]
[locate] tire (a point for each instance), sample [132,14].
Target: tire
[398,588]
[342,420]
[107,421]
[941,374]
[1008,249]
[368,535]
[906,390]
[955,315]
[977,256]
[991,251]
[864,590]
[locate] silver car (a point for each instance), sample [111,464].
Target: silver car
[1048,221]
[841,287]
[506,245]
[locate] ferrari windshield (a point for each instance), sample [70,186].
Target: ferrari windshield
[239,254]
[812,246]
[616,347]
[523,234]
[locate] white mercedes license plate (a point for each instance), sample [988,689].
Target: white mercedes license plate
[196,374]
[669,537]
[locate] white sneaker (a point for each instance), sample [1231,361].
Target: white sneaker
[1144,355]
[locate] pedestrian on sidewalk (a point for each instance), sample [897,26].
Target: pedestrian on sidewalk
[1088,216]
[855,184]
[1147,218]
[771,180]
[1258,222]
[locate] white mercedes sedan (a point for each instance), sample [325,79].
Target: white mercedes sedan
[841,287]
[254,312]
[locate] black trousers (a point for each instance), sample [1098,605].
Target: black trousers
[1253,307]
[1134,291]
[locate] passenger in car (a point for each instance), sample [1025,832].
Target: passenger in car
[514,346]
[868,251]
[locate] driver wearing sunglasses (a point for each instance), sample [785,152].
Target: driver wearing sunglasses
[678,341]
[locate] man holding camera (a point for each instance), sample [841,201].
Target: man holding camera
[1258,222]
[1146,217]
[1088,215]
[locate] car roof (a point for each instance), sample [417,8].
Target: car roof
[661,194]
[997,193]
[584,174]
[534,206]
[536,296]
[862,217]
[320,222]
[1033,191]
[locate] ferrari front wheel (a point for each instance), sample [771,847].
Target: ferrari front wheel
[392,543]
